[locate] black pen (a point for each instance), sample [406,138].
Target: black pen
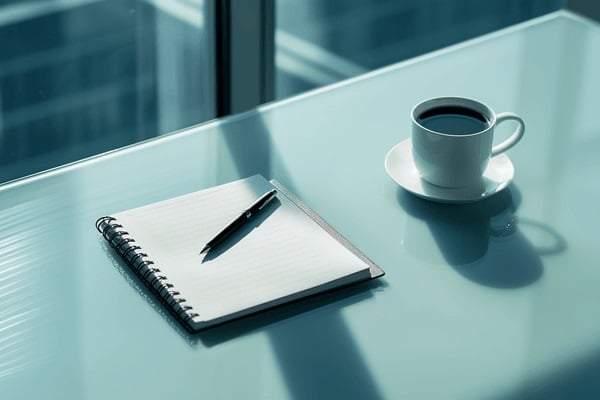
[239,221]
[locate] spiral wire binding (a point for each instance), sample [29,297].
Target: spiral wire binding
[144,268]
[156,302]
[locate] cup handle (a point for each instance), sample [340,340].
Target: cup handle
[514,138]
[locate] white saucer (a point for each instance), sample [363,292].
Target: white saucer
[401,168]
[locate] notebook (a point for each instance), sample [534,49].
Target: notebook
[285,253]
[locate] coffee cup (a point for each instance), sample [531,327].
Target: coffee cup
[452,139]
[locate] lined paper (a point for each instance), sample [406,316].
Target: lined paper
[282,255]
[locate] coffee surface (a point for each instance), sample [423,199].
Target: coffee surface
[453,120]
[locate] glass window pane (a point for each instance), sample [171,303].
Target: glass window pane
[80,77]
[320,42]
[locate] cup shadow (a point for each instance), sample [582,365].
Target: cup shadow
[482,241]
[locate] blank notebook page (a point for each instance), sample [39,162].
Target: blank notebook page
[283,253]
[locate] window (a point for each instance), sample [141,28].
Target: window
[80,77]
[320,42]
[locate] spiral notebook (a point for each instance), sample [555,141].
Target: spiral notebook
[286,253]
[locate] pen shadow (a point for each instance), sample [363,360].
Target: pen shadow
[243,231]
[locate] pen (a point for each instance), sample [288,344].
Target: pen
[239,221]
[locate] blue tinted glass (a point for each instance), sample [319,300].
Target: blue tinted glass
[82,77]
[321,42]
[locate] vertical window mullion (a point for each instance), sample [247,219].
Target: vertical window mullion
[244,54]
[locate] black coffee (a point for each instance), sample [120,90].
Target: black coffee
[453,120]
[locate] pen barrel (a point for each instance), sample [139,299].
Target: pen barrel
[240,220]
[229,230]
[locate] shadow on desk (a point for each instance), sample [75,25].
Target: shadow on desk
[319,358]
[315,349]
[333,300]
[574,381]
[484,241]
[249,146]
[329,302]
[312,343]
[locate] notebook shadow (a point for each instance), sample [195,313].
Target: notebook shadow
[264,320]
[260,321]
[243,231]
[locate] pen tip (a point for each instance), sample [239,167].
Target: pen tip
[204,249]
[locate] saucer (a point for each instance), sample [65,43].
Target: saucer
[400,167]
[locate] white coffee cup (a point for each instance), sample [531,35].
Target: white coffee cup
[452,139]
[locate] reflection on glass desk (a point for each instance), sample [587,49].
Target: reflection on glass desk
[496,299]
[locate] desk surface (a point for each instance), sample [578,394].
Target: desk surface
[497,299]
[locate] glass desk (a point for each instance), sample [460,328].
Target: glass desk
[497,299]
